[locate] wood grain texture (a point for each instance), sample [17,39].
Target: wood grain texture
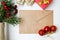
[2,31]
[34,20]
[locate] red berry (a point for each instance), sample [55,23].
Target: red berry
[6,8]
[15,11]
[3,2]
[53,28]
[41,32]
[15,6]
[8,15]
[47,29]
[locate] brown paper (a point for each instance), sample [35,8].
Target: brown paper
[34,20]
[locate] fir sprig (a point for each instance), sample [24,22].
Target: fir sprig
[8,12]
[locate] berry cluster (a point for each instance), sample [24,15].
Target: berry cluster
[8,12]
[47,29]
[8,9]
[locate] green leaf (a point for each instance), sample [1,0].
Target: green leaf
[0,0]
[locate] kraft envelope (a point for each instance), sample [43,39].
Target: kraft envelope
[34,20]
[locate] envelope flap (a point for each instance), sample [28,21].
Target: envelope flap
[35,14]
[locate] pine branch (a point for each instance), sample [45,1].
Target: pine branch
[10,18]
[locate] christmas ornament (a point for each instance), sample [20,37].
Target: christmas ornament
[43,3]
[47,29]
[41,32]
[29,2]
[53,28]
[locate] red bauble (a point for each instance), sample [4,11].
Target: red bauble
[15,11]
[8,15]
[15,6]
[3,2]
[47,29]
[53,28]
[41,32]
[6,8]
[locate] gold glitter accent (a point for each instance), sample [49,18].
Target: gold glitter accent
[46,1]
[43,1]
